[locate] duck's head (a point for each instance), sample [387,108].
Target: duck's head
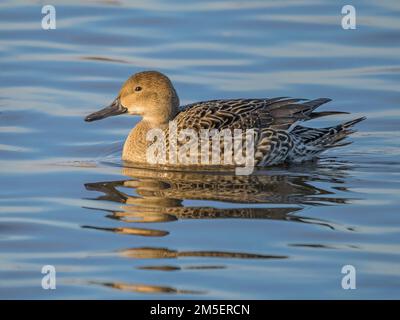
[149,94]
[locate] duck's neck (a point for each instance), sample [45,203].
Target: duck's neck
[135,146]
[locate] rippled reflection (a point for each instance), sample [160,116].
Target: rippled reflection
[143,288]
[158,196]
[149,196]
[164,253]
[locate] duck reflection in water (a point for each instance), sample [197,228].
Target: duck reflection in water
[159,197]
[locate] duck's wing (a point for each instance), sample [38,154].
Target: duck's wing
[275,113]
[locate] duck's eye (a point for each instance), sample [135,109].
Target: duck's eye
[138,88]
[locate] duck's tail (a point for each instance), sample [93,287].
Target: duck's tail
[313,141]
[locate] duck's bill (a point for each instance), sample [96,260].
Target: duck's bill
[113,109]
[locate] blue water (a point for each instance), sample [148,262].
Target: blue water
[114,232]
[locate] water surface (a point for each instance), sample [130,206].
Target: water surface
[115,232]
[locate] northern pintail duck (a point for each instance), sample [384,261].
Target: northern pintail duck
[277,136]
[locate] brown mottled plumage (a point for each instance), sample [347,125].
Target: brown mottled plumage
[277,139]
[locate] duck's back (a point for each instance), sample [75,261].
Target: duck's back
[274,113]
